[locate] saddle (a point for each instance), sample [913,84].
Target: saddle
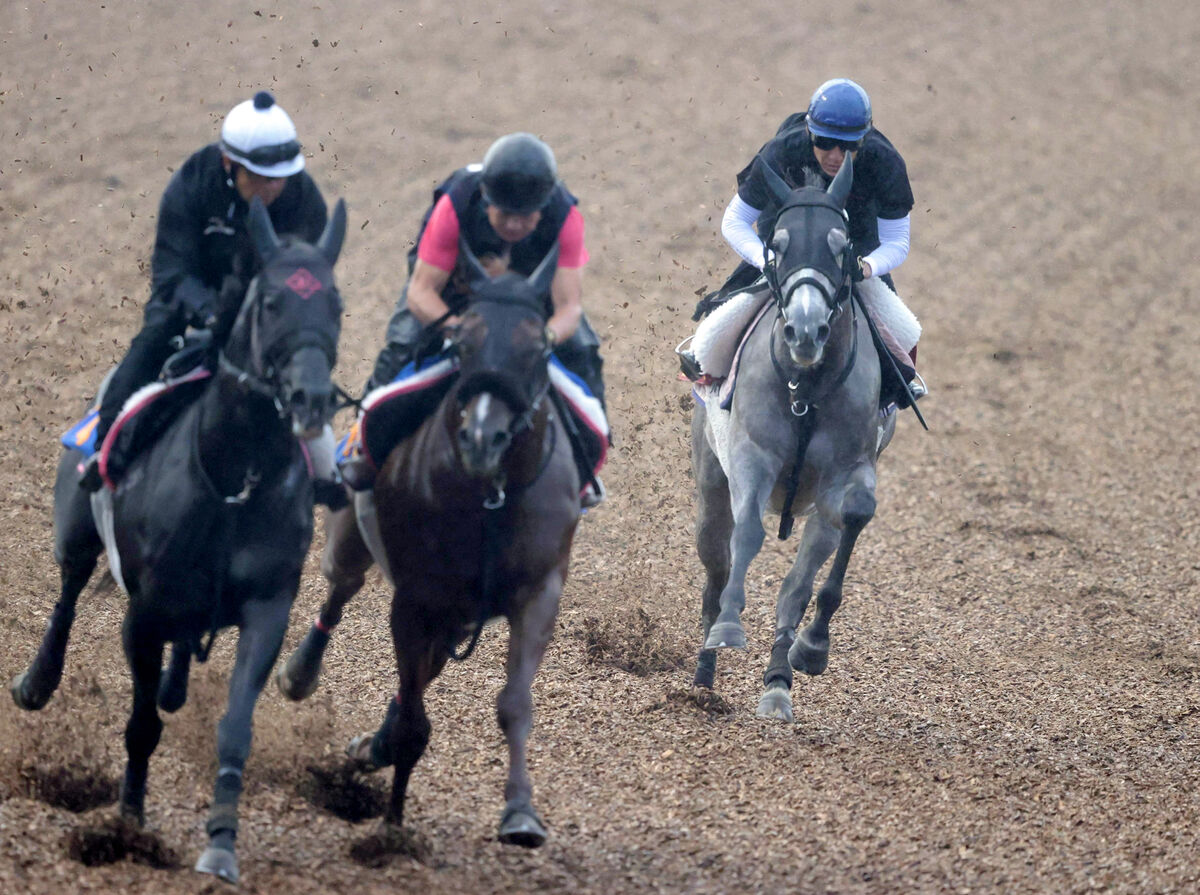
[148,412]
[395,411]
[721,336]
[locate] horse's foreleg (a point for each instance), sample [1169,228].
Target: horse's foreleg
[810,652]
[143,651]
[530,632]
[32,689]
[748,501]
[816,544]
[260,636]
[714,525]
[344,564]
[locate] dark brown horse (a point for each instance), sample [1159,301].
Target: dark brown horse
[476,513]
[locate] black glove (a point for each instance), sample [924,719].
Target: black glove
[233,291]
[197,302]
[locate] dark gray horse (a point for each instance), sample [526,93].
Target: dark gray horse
[210,525]
[802,434]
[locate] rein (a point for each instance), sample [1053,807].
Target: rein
[228,505]
[493,531]
[800,405]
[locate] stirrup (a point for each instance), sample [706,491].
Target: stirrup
[688,365]
[90,479]
[591,497]
[918,387]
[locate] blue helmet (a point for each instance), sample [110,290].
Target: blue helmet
[839,109]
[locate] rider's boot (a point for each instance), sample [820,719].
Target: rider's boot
[89,476]
[593,495]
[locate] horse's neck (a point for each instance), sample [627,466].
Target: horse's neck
[240,434]
[524,459]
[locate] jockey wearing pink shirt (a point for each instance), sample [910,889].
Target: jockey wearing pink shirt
[510,211]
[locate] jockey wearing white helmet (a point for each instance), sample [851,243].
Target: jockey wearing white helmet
[202,257]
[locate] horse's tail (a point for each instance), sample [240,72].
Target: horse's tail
[106,583]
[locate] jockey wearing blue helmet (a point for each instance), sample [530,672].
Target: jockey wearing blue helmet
[811,146]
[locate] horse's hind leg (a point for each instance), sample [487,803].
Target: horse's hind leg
[530,632]
[260,636]
[344,564]
[810,652]
[172,692]
[404,734]
[77,549]
[143,651]
[714,524]
[816,544]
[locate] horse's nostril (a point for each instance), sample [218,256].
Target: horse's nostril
[822,332]
[500,440]
[789,332]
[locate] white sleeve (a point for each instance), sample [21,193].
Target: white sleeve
[737,226]
[893,245]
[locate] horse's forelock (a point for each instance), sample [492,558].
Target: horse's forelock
[510,289]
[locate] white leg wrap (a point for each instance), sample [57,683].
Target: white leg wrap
[321,450]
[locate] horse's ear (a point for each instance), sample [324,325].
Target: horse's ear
[476,273]
[330,243]
[839,190]
[540,279]
[777,184]
[262,231]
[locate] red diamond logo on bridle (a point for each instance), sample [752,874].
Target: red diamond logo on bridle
[303,283]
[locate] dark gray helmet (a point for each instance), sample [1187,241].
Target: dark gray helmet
[519,174]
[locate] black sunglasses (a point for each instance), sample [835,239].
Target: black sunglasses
[827,143]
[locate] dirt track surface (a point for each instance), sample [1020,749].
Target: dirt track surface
[1013,697]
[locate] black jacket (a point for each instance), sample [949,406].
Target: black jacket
[202,229]
[880,189]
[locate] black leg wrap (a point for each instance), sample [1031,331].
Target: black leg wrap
[779,670]
[222,819]
[706,669]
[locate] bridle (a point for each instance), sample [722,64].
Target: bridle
[835,294]
[526,406]
[269,360]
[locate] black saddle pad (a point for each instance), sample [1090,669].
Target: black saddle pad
[138,432]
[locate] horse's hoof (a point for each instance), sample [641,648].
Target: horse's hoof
[292,688]
[809,656]
[30,702]
[220,862]
[361,753]
[172,695]
[775,704]
[521,826]
[726,635]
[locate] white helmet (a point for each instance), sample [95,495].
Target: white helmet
[260,136]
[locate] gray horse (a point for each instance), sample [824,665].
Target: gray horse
[802,433]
